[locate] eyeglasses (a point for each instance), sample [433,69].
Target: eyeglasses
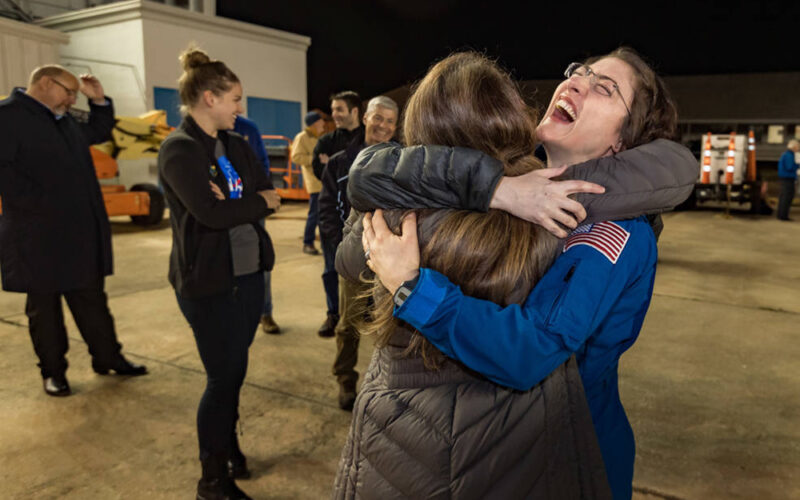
[600,84]
[70,92]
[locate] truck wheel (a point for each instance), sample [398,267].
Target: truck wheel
[689,204]
[756,203]
[157,206]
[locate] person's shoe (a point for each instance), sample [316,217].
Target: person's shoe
[237,468]
[268,325]
[57,386]
[326,330]
[219,489]
[121,367]
[310,250]
[347,395]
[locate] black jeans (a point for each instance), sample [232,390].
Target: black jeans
[330,279]
[224,326]
[785,198]
[49,335]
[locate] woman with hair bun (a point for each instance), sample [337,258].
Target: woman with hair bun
[217,192]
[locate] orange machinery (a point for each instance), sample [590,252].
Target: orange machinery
[144,203]
[292,174]
[132,138]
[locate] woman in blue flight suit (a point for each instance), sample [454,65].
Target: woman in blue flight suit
[593,300]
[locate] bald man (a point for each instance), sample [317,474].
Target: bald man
[55,239]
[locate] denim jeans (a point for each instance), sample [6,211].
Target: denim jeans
[312,221]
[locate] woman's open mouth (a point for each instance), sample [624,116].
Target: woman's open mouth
[564,112]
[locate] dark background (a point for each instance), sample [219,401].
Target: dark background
[373,46]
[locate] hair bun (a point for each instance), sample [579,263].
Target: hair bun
[192,58]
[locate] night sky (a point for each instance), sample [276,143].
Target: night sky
[373,46]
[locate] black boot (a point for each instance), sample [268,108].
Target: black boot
[237,463]
[215,483]
[326,330]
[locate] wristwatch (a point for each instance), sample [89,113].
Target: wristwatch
[402,293]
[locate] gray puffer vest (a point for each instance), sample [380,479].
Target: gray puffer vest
[449,433]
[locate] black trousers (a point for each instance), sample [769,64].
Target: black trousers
[785,198]
[224,326]
[89,307]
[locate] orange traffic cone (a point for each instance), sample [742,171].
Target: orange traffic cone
[751,156]
[705,178]
[731,157]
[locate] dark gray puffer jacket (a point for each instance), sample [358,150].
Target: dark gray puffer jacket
[452,434]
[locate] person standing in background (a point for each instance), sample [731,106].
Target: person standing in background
[380,120]
[346,111]
[249,130]
[303,154]
[787,175]
[55,233]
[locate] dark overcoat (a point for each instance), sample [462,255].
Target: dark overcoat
[54,231]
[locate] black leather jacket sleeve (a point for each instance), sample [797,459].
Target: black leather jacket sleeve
[648,179]
[392,176]
[323,147]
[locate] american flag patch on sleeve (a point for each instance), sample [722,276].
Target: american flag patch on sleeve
[607,238]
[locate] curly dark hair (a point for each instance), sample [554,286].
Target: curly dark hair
[653,112]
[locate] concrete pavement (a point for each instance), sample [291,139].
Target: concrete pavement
[711,386]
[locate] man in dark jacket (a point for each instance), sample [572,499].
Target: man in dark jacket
[345,110]
[380,122]
[54,232]
[249,130]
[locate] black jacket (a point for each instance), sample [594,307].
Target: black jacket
[54,231]
[648,179]
[334,207]
[331,143]
[200,264]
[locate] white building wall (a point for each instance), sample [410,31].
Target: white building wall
[114,54]
[23,47]
[133,46]
[266,70]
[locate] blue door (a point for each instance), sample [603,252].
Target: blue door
[275,117]
[168,100]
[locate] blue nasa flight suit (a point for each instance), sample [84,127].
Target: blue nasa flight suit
[585,304]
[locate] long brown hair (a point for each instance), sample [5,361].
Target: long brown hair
[467,100]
